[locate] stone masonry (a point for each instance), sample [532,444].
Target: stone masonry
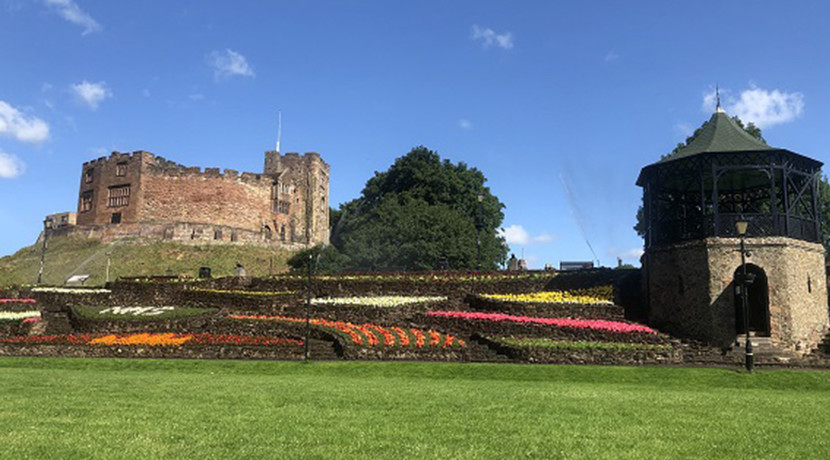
[691,289]
[142,195]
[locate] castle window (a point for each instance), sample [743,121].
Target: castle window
[88,174]
[234,237]
[283,207]
[86,201]
[116,218]
[282,232]
[217,234]
[118,196]
[121,169]
[809,284]
[267,232]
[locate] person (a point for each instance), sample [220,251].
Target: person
[513,263]
[240,270]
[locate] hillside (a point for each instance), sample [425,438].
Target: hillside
[68,256]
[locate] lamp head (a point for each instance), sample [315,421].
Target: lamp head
[741,226]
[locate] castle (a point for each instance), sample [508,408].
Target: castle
[143,195]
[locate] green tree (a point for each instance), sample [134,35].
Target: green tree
[422,213]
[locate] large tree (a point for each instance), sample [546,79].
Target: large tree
[423,213]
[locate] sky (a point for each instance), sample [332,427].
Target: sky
[559,104]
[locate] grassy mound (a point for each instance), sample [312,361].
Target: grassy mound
[68,256]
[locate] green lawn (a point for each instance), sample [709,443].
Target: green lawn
[82,408]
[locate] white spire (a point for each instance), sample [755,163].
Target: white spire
[279,130]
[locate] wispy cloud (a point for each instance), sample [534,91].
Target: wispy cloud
[91,94]
[196,97]
[15,124]
[516,234]
[488,37]
[763,107]
[229,63]
[465,124]
[611,56]
[70,11]
[10,166]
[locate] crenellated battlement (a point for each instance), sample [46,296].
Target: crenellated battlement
[287,203]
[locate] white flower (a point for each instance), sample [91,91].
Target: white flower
[136,311]
[379,301]
[60,290]
[12,315]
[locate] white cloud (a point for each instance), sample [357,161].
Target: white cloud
[70,11]
[10,166]
[763,107]
[25,129]
[92,94]
[196,97]
[516,234]
[611,56]
[145,92]
[229,63]
[488,37]
[465,124]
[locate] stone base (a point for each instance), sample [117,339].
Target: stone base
[691,290]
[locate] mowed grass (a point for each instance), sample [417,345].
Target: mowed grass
[85,408]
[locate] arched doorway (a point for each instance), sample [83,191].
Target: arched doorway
[757,301]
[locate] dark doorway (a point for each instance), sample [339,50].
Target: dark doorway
[757,302]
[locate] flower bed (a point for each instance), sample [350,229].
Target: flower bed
[63,290]
[377,301]
[544,350]
[595,324]
[598,295]
[19,315]
[17,301]
[499,324]
[536,342]
[607,311]
[373,335]
[138,312]
[151,339]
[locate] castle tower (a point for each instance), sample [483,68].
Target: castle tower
[692,200]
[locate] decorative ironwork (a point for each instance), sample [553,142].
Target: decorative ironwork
[703,195]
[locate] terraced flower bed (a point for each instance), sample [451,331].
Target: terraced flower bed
[132,313]
[599,295]
[372,340]
[500,324]
[545,350]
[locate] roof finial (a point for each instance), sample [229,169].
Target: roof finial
[279,130]
[718,108]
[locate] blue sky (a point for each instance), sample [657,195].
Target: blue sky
[531,93]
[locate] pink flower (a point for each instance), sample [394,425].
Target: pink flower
[595,324]
[31,320]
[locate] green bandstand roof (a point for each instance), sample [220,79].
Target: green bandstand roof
[720,134]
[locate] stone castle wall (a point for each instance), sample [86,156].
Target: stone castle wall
[691,289]
[287,204]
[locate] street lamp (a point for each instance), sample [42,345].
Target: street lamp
[479,228]
[741,226]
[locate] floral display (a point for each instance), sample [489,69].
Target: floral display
[62,290]
[377,301]
[571,344]
[594,295]
[31,301]
[136,311]
[17,315]
[152,339]
[429,277]
[595,324]
[372,335]
[241,292]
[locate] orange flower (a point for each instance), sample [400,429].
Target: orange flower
[166,339]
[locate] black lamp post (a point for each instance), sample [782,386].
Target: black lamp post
[308,306]
[741,226]
[479,228]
